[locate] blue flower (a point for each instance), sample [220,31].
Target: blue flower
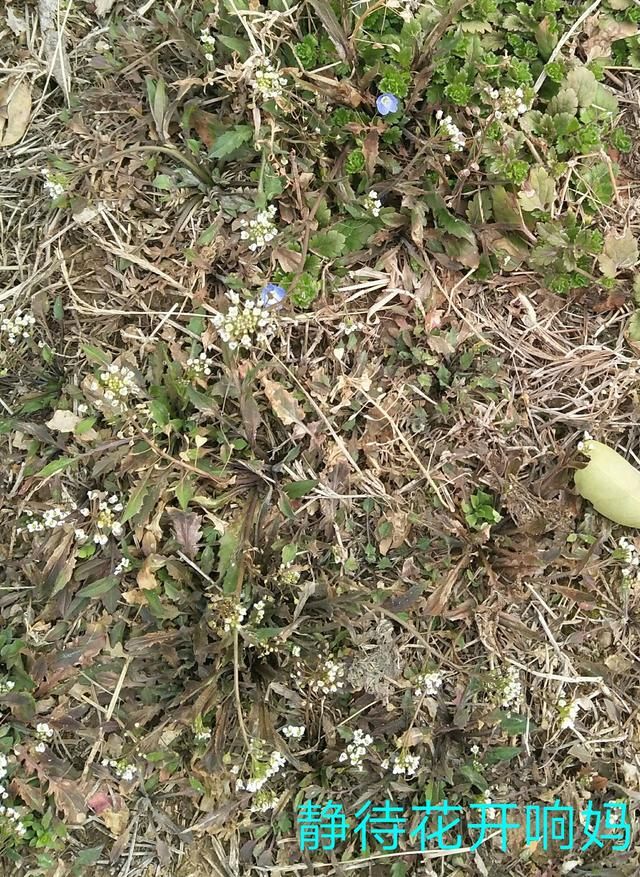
[387,103]
[272,294]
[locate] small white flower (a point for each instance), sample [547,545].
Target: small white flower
[293,732]
[266,81]
[371,203]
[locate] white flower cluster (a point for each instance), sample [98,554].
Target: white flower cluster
[293,732]
[587,437]
[6,685]
[245,323]
[118,383]
[3,772]
[261,230]
[123,769]
[428,683]
[357,749]
[106,521]
[452,131]
[329,679]
[44,733]
[267,82]
[263,767]
[51,519]
[234,617]
[632,557]
[208,41]
[509,103]
[508,688]
[18,326]
[348,326]
[263,800]
[567,712]
[258,611]
[202,736]
[122,566]
[12,822]
[371,203]
[404,764]
[485,798]
[287,575]
[199,366]
[53,185]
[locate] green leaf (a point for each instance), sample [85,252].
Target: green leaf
[135,500]
[634,327]
[356,233]
[98,588]
[184,492]
[328,244]
[584,83]
[620,251]
[610,483]
[504,206]
[55,466]
[538,192]
[230,141]
[480,211]
[241,47]
[502,753]
[228,558]
[297,489]
[566,101]
[474,777]
[95,355]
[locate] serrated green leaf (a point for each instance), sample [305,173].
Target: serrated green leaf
[619,252]
[357,233]
[231,140]
[584,83]
[539,192]
[566,101]
[328,244]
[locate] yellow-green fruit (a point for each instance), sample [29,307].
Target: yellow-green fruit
[610,483]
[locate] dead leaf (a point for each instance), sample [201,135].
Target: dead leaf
[63,421]
[187,528]
[399,526]
[283,404]
[602,32]
[288,260]
[15,22]
[145,577]
[620,251]
[370,149]
[69,798]
[54,45]
[103,7]
[15,112]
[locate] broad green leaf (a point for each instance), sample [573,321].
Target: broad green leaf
[566,101]
[135,500]
[228,558]
[184,492]
[620,252]
[504,206]
[99,588]
[480,211]
[95,355]
[328,244]
[241,47]
[55,466]
[297,489]
[584,83]
[538,192]
[356,233]
[610,483]
[230,141]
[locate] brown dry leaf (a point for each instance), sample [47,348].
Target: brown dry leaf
[15,112]
[54,45]
[103,7]
[69,798]
[283,404]
[288,260]
[187,528]
[602,32]
[63,421]
[145,577]
[370,149]
[16,23]
[400,527]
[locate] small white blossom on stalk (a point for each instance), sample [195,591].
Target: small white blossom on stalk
[122,566]
[107,523]
[508,688]
[263,801]
[51,519]
[349,327]
[587,437]
[329,678]
[485,798]
[266,81]
[118,383]
[198,366]
[263,767]
[371,203]
[54,184]
[403,764]
[452,131]
[631,557]
[246,323]
[293,732]
[567,712]
[509,103]
[122,768]
[260,230]
[11,822]
[258,612]
[6,685]
[18,326]
[234,617]
[208,42]
[428,683]
[357,749]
